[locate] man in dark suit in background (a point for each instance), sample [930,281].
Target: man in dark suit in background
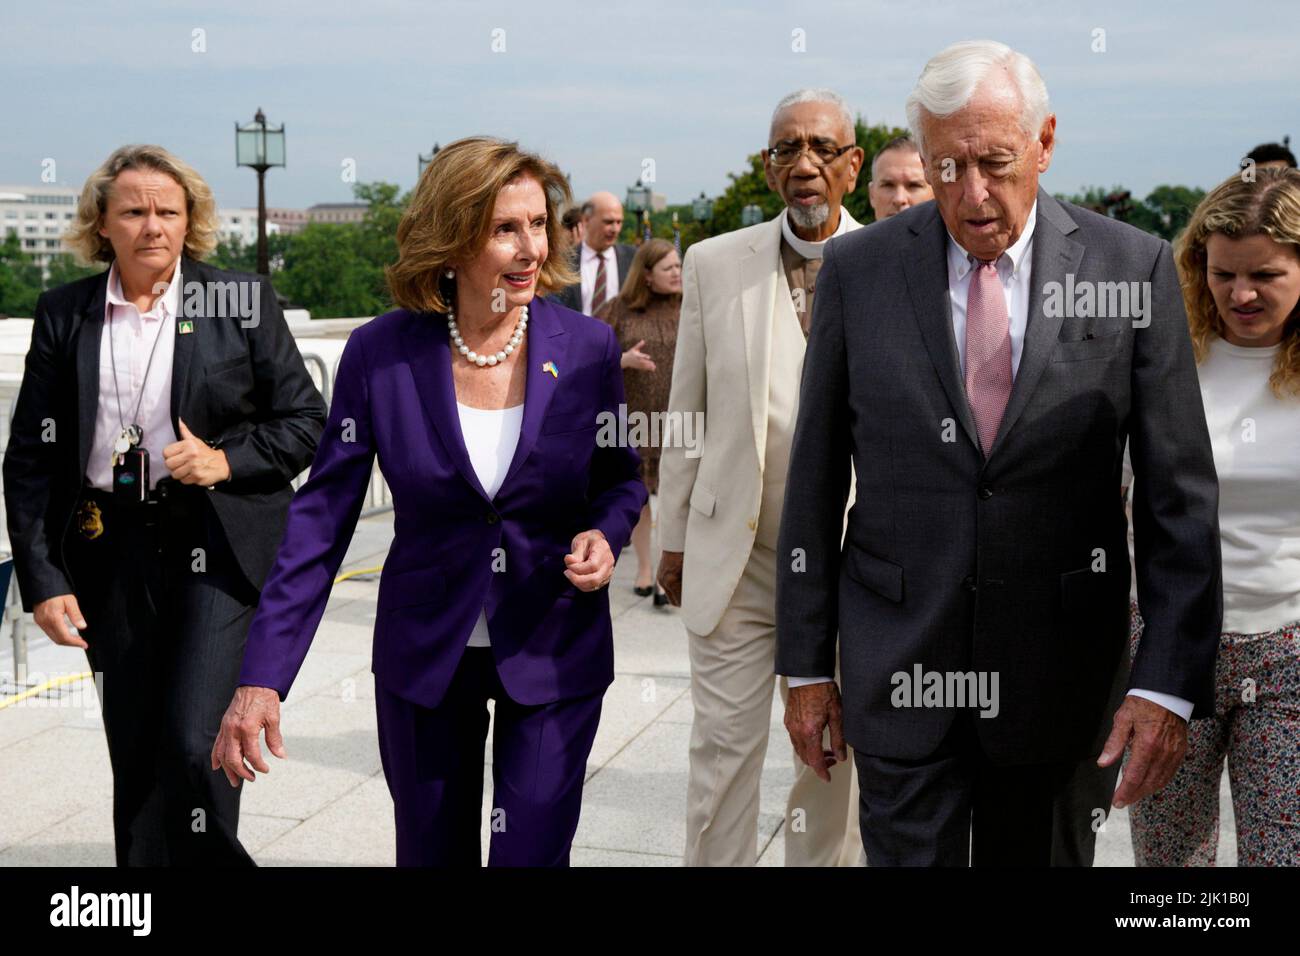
[164,411]
[600,259]
[983,358]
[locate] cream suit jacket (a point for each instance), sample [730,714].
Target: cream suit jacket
[733,289]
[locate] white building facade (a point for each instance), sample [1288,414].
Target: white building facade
[39,216]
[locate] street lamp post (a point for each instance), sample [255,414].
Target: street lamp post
[638,201]
[260,147]
[702,208]
[426,160]
[702,213]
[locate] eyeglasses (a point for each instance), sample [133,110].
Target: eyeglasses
[819,154]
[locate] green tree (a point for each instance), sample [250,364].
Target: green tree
[377,242]
[1167,209]
[326,271]
[386,206]
[20,279]
[65,268]
[1163,213]
[234,254]
[332,269]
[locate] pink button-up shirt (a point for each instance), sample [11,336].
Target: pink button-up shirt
[131,336]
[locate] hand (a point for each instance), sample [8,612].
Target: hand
[670,576]
[192,462]
[251,709]
[809,710]
[635,358]
[590,563]
[49,615]
[1159,739]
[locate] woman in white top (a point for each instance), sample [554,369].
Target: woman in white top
[1239,261]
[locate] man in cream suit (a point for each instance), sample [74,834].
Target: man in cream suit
[738,360]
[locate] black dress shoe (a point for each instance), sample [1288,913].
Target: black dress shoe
[661,598]
[643,592]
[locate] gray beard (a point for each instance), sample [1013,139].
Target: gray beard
[809,217]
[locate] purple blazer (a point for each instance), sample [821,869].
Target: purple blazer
[456,551]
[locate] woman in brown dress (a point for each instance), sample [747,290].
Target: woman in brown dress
[644,316]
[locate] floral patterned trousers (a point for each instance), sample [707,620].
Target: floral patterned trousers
[1256,728]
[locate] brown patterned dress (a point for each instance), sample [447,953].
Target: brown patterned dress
[647,392]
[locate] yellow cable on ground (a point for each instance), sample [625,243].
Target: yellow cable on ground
[353,574]
[47,685]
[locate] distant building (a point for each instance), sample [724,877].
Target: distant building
[241,224]
[347,212]
[289,220]
[39,216]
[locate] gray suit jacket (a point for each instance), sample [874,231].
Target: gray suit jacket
[571,295]
[1016,564]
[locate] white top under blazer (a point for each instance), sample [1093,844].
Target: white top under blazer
[491,435]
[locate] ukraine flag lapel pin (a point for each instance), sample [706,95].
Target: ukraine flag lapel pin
[550,367]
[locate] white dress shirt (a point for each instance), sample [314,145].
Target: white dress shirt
[588,263]
[131,335]
[491,435]
[1015,267]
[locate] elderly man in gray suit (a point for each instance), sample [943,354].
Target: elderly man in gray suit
[983,359]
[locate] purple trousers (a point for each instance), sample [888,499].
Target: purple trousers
[433,762]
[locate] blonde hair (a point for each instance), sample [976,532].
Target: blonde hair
[1268,205]
[636,287]
[200,207]
[449,218]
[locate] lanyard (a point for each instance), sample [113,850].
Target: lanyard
[134,433]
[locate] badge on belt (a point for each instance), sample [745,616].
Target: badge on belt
[90,520]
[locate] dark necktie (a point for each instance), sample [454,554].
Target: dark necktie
[598,294]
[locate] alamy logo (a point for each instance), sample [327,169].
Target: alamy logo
[923,688]
[237,299]
[1102,300]
[103,909]
[651,430]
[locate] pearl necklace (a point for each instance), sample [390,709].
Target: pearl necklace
[484,361]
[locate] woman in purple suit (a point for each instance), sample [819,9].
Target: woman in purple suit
[483,404]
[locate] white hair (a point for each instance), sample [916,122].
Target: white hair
[821,95]
[952,76]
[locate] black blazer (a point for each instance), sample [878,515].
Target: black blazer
[1015,563]
[245,389]
[571,295]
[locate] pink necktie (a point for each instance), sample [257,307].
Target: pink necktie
[988,351]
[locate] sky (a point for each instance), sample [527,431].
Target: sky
[1179,93]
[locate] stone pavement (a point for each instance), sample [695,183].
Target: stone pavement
[328,805]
